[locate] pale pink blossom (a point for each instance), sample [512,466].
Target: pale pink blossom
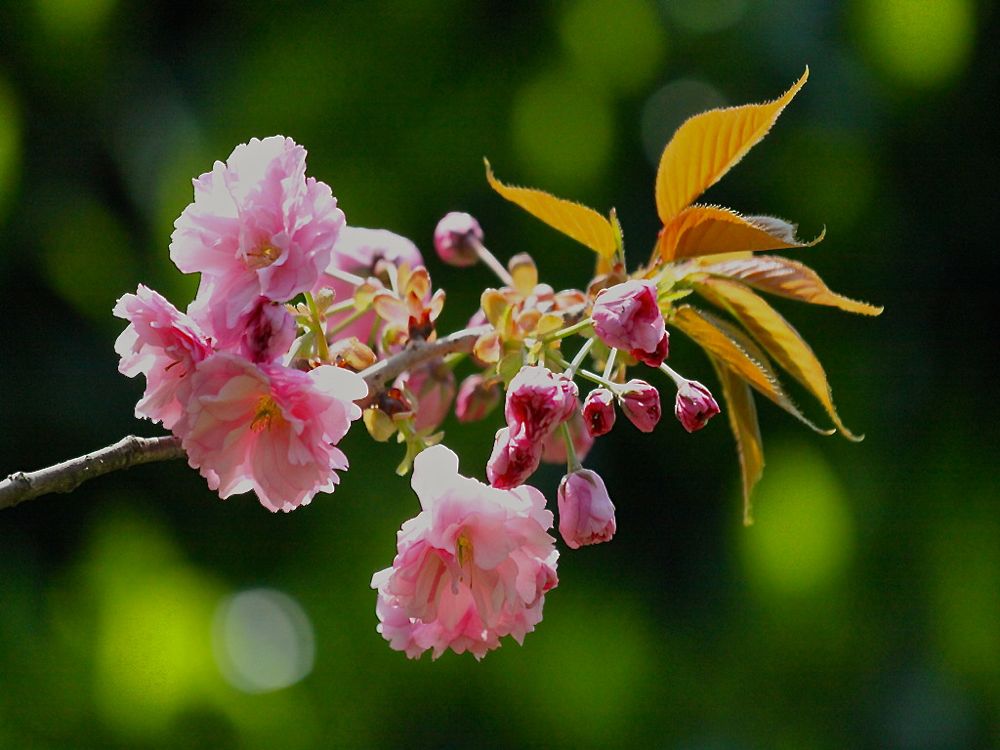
[266,332]
[538,400]
[586,513]
[475,399]
[455,239]
[641,403]
[513,460]
[627,316]
[554,446]
[694,405]
[599,412]
[163,344]
[269,428]
[257,227]
[359,251]
[433,386]
[471,568]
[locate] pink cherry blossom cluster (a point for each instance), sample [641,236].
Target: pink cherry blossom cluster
[295,314]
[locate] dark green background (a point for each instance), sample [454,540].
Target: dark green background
[863,608]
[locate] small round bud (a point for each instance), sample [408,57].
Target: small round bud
[694,405]
[627,316]
[641,404]
[599,412]
[476,399]
[455,239]
[513,460]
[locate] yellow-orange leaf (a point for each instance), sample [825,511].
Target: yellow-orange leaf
[711,230]
[777,336]
[788,278]
[583,224]
[734,349]
[742,413]
[708,145]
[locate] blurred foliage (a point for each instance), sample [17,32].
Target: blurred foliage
[863,608]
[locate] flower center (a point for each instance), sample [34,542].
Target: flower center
[262,256]
[268,414]
[463,549]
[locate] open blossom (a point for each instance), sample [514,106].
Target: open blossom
[586,513]
[268,428]
[514,459]
[358,251]
[471,568]
[257,227]
[627,316]
[694,405]
[641,404]
[164,345]
[538,400]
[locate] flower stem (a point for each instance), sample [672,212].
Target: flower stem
[674,375]
[572,462]
[568,331]
[490,260]
[593,377]
[350,278]
[341,325]
[316,323]
[610,364]
[579,357]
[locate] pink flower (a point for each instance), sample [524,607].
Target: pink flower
[538,400]
[641,404]
[586,514]
[455,239]
[257,227]
[475,400]
[554,446]
[164,345]
[627,316]
[599,412]
[269,428]
[694,405]
[358,251]
[433,385]
[513,460]
[470,569]
[265,332]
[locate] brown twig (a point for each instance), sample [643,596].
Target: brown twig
[133,451]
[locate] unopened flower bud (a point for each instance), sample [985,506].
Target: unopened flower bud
[433,386]
[656,357]
[513,460]
[586,513]
[627,316]
[599,412]
[694,405]
[641,404]
[379,424]
[476,399]
[537,401]
[455,239]
[268,331]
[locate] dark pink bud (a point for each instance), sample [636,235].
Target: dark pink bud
[694,405]
[641,404]
[268,331]
[538,400]
[455,239]
[599,412]
[433,386]
[476,399]
[655,358]
[586,513]
[513,460]
[627,316]
[554,446]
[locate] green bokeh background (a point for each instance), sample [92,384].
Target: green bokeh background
[862,609]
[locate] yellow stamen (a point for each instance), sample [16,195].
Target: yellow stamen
[268,414]
[261,257]
[463,549]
